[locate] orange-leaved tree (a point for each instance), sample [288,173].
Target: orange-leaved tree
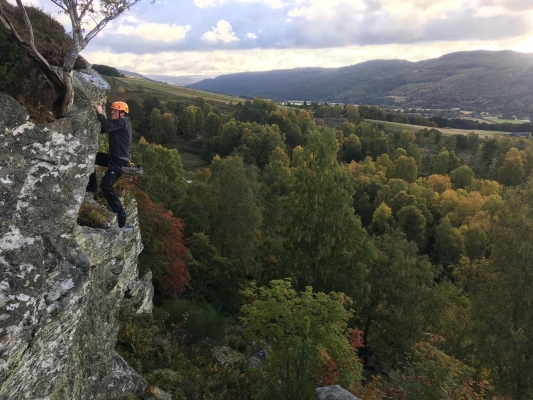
[164,251]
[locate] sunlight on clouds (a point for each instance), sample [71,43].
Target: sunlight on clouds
[325,9]
[251,35]
[152,31]
[524,45]
[206,3]
[423,10]
[223,62]
[223,32]
[498,9]
[217,3]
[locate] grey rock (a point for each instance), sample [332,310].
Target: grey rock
[90,88]
[334,393]
[124,379]
[11,114]
[157,393]
[61,285]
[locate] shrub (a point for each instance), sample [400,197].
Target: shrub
[92,215]
[198,319]
[107,71]
[22,79]
[186,372]
[12,56]
[432,374]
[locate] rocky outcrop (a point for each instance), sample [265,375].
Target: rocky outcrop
[334,392]
[61,285]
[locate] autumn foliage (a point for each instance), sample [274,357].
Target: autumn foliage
[164,250]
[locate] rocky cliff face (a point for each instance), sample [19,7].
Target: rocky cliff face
[61,285]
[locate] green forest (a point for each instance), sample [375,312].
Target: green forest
[316,248]
[393,264]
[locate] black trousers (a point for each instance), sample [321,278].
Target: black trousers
[114,171]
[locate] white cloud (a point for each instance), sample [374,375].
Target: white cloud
[313,24]
[498,8]
[206,3]
[218,3]
[221,33]
[424,9]
[223,62]
[317,10]
[152,31]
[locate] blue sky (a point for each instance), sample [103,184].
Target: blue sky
[213,37]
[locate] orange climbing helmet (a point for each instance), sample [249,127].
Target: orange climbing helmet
[121,106]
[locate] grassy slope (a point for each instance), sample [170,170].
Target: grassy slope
[127,88]
[397,127]
[504,121]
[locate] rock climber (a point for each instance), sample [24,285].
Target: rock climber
[120,137]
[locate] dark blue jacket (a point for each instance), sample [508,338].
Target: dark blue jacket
[119,136]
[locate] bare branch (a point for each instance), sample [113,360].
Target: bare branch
[77,32]
[101,25]
[27,23]
[4,20]
[60,4]
[85,8]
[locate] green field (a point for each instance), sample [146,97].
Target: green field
[138,89]
[190,155]
[505,121]
[397,127]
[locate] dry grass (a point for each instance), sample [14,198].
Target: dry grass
[139,89]
[397,127]
[93,215]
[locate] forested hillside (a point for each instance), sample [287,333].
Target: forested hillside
[492,81]
[412,248]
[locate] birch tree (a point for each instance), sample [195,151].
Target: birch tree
[83,14]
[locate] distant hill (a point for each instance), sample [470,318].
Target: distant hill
[499,81]
[134,75]
[179,80]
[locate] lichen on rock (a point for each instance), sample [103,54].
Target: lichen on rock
[61,285]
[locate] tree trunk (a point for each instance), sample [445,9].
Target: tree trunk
[68,66]
[49,73]
[68,96]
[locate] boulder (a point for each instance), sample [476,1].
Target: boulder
[334,393]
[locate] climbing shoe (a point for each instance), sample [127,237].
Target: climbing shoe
[122,219]
[132,170]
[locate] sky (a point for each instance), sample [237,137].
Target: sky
[214,37]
